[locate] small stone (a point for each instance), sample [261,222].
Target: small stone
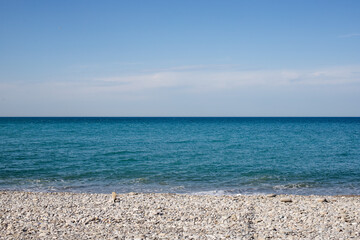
[287,231]
[286,200]
[271,195]
[140,237]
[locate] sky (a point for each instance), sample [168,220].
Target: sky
[179,58]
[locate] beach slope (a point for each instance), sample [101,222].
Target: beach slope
[27,215]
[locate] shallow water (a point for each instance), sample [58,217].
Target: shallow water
[181,155]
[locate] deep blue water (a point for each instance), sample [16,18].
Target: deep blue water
[181,155]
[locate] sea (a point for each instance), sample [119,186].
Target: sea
[185,155]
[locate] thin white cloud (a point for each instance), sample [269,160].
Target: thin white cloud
[80,67]
[204,80]
[200,67]
[187,82]
[350,35]
[234,92]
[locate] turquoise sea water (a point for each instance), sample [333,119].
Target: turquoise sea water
[181,155]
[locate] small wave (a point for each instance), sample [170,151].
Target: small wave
[345,154]
[180,141]
[177,188]
[217,140]
[118,153]
[292,186]
[140,180]
[264,179]
[211,192]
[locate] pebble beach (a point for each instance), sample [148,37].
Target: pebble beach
[60,215]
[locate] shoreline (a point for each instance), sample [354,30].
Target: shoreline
[65,215]
[187,193]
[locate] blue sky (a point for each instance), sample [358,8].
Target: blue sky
[179,58]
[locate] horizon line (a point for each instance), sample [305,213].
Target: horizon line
[179,116]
